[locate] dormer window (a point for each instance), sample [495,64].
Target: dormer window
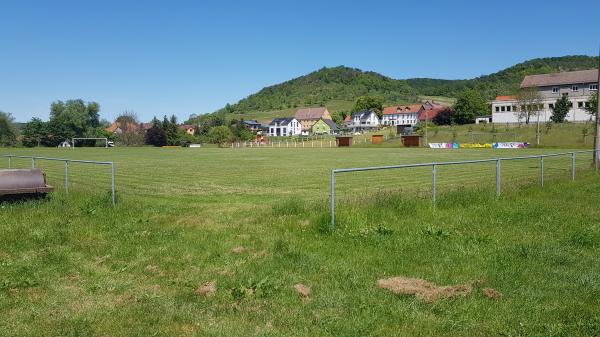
[594,87]
[575,88]
[555,90]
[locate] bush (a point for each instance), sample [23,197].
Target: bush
[444,117]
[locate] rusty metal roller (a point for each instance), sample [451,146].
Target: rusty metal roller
[19,181]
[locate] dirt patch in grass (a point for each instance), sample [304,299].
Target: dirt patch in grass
[101,259]
[208,289]
[152,269]
[423,290]
[491,293]
[302,290]
[238,250]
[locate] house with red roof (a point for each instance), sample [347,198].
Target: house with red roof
[430,110]
[403,115]
[189,129]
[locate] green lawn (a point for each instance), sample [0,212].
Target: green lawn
[76,266]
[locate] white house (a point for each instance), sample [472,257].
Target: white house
[405,115]
[283,127]
[362,121]
[578,86]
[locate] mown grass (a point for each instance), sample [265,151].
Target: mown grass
[76,266]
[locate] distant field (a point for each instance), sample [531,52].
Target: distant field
[73,265]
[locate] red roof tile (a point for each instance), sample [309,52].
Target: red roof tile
[402,109]
[506,98]
[430,114]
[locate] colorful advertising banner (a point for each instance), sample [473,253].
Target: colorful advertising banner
[505,145]
[443,145]
[511,145]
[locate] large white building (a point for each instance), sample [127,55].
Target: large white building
[578,86]
[405,115]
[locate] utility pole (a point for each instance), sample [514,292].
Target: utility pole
[597,136]
[426,122]
[537,132]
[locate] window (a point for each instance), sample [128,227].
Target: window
[503,108]
[555,90]
[575,88]
[497,109]
[580,104]
[508,108]
[565,94]
[551,105]
[594,87]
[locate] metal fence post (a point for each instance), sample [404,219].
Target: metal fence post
[498,177]
[573,166]
[542,170]
[32,163]
[112,166]
[333,199]
[67,176]
[9,158]
[434,173]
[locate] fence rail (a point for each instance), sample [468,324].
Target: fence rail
[435,165]
[67,162]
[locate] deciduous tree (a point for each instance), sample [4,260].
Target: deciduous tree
[372,103]
[529,104]
[8,132]
[220,135]
[469,105]
[34,133]
[129,126]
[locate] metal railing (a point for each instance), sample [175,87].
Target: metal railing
[67,161]
[435,165]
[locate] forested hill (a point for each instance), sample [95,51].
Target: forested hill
[338,87]
[503,82]
[322,86]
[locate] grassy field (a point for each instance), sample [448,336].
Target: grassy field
[255,221]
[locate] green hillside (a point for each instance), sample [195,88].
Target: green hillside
[338,87]
[503,82]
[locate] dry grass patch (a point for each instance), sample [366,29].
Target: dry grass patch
[423,290]
[238,250]
[208,289]
[491,293]
[302,290]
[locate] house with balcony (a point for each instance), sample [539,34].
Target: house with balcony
[362,121]
[253,125]
[578,86]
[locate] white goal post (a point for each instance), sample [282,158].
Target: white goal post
[89,138]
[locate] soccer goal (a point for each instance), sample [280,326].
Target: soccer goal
[107,143]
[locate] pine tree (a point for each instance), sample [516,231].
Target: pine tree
[560,110]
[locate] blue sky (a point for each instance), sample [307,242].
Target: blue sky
[184,57]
